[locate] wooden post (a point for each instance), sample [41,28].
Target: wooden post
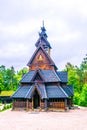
[32,104]
[27,105]
[72,104]
[40,105]
[45,104]
[13,104]
[65,104]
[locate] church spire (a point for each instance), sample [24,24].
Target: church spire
[43,39]
[43,23]
[43,31]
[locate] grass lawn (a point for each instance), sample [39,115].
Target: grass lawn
[7,93]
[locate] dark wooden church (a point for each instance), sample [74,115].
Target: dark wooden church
[43,87]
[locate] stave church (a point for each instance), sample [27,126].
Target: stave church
[43,87]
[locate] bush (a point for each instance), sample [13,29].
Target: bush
[83,96]
[76,98]
[0,101]
[10,105]
[5,107]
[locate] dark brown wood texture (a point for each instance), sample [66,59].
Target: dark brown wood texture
[41,61]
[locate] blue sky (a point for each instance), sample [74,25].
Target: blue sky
[20,22]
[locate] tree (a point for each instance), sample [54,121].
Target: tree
[2,73]
[83,65]
[73,77]
[1,82]
[21,73]
[83,96]
[83,68]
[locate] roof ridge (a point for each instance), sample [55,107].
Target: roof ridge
[63,91]
[24,76]
[36,72]
[56,74]
[29,91]
[38,89]
[40,71]
[70,88]
[45,91]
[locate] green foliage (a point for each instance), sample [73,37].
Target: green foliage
[76,98]
[83,96]
[0,101]
[73,78]
[9,79]
[5,107]
[21,73]
[78,77]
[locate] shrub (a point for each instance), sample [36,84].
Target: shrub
[83,96]
[76,98]
[5,107]
[10,105]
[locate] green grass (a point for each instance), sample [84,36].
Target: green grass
[7,93]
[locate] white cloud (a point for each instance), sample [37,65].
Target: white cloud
[70,36]
[21,28]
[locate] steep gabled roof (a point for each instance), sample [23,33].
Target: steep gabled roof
[40,89]
[50,76]
[45,75]
[27,91]
[45,53]
[27,77]
[49,91]
[21,92]
[37,73]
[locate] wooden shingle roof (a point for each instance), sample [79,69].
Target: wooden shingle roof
[43,39]
[46,76]
[27,91]
[56,92]
[63,76]
[49,91]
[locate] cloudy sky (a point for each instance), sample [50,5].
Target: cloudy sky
[20,22]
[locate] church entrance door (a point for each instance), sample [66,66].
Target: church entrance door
[36,100]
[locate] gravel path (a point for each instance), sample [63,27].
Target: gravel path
[21,120]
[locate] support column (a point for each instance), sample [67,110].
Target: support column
[45,104]
[65,104]
[13,104]
[32,104]
[40,104]
[27,105]
[72,104]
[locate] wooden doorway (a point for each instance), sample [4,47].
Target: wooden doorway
[36,100]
